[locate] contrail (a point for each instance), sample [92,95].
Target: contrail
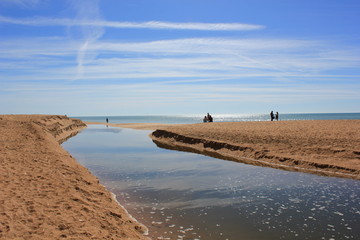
[86,10]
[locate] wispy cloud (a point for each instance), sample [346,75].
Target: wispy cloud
[178,60]
[86,11]
[226,57]
[95,22]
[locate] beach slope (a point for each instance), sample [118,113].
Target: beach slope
[325,147]
[45,193]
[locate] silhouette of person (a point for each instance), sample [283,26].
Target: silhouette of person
[277,116]
[272,116]
[107,120]
[209,117]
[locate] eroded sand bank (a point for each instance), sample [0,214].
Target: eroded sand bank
[326,147]
[45,193]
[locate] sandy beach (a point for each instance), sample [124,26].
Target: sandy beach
[325,147]
[45,193]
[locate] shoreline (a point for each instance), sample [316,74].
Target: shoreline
[137,126]
[322,147]
[215,152]
[46,194]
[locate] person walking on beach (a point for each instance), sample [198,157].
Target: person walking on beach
[277,116]
[107,120]
[272,115]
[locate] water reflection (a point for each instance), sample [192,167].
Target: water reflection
[188,196]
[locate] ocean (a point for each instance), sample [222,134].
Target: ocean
[187,119]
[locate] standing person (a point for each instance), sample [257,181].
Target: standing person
[107,120]
[209,117]
[272,116]
[277,116]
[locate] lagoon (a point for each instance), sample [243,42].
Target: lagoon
[180,195]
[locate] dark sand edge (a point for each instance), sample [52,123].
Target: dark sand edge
[173,141]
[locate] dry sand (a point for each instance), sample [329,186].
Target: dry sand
[45,193]
[326,147]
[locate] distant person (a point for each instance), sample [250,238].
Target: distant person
[277,116]
[107,120]
[209,117]
[205,119]
[272,116]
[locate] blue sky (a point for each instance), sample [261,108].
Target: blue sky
[140,57]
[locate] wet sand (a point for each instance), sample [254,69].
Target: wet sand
[45,193]
[324,147]
[139,126]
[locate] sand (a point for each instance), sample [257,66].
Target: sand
[138,126]
[325,147]
[45,193]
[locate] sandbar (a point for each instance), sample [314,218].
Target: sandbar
[325,147]
[138,126]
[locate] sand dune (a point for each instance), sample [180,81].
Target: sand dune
[45,193]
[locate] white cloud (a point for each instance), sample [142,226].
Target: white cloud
[222,57]
[184,26]
[209,46]
[97,22]
[177,60]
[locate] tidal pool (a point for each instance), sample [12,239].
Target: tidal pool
[180,195]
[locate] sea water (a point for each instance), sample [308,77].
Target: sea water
[180,195]
[178,119]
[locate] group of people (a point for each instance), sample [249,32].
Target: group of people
[208,118]
[274,116]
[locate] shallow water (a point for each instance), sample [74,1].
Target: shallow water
[182,195]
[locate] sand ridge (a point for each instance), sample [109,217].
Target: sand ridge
[326,147]
[45,193]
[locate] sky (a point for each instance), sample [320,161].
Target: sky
[169,57]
